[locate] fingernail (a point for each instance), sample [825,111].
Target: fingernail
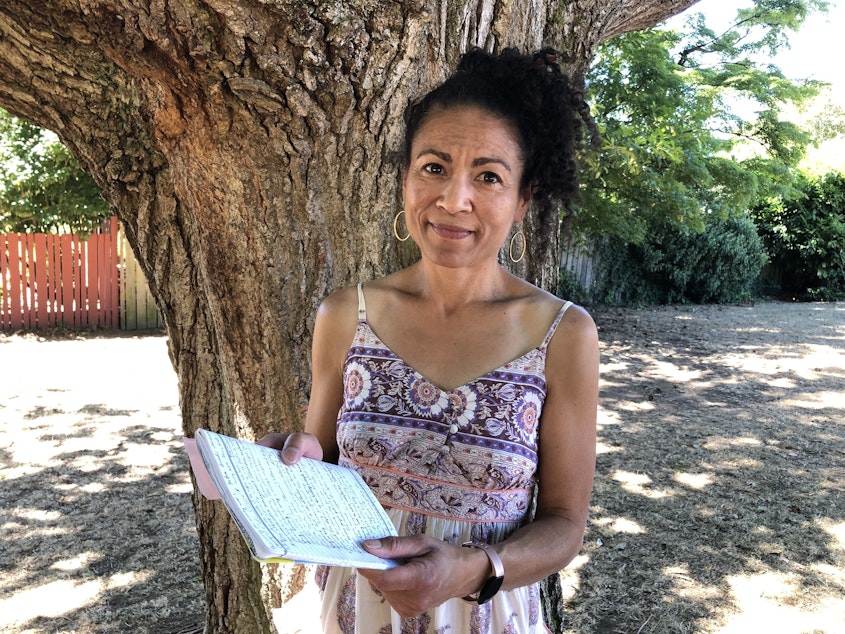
[372,543]
[289,454]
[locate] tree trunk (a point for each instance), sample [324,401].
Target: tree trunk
[249,150]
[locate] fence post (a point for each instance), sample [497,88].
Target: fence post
[138,310]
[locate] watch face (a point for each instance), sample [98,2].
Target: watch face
[490,589]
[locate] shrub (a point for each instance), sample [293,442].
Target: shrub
[806,238]
[719,265]
[569,288]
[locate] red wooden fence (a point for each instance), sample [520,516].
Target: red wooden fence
[49,280]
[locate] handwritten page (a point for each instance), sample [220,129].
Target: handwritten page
[311,512]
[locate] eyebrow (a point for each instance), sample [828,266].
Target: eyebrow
[444,156]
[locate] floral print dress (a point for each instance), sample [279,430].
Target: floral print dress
[457,465]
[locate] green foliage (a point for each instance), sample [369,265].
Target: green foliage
[762,28]
[673,149]
[42,187]
[652,165]
[805,237]
[570,288]
[825,118]
[671,265]
[693,134]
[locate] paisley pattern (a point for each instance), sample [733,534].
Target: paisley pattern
[455,464]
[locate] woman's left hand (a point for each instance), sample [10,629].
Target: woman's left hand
[432,572]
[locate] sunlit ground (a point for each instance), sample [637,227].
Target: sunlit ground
[719,501]
[720,492]
[96,524]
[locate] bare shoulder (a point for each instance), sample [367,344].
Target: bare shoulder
[575,344]
[337,318]
[578,321]
[399,282]
[339,303]
[545,306]
[382,293]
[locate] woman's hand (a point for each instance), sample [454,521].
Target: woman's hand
[294,446]
[432,573]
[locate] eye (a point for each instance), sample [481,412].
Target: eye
[433,168]
[490,177]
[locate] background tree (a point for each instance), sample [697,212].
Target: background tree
[693,124]
[247,149]
[694,131]
[42,187]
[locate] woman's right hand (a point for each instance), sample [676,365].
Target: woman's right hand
[293,446]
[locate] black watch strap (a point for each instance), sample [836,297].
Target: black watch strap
[492,585]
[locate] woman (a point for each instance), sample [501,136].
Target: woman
[455,387]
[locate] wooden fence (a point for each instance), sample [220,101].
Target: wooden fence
[138,310]
[50,281]
[579,261]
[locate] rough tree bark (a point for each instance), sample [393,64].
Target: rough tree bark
[248,149]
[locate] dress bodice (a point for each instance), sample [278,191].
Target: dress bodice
[468,452]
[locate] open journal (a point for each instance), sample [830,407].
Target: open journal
[311,512]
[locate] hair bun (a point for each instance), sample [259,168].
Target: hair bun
[551,58]
[546,57]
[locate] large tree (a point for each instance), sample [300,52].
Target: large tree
[248,149]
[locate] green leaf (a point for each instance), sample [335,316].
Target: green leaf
[42,187]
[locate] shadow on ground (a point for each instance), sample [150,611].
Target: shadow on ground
[96,521]
[720,473]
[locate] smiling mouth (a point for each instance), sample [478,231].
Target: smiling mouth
[451,232]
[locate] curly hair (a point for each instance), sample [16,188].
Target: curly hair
[530,93]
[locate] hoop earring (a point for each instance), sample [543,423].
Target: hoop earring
[521,235]
[396,227]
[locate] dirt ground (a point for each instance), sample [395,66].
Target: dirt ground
[719,501]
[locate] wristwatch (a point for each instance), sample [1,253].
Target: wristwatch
[492,585]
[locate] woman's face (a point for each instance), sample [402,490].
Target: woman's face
[462,186]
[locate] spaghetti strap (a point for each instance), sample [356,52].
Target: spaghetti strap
[362,307]
[553,327]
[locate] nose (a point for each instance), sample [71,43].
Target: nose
[456,196]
